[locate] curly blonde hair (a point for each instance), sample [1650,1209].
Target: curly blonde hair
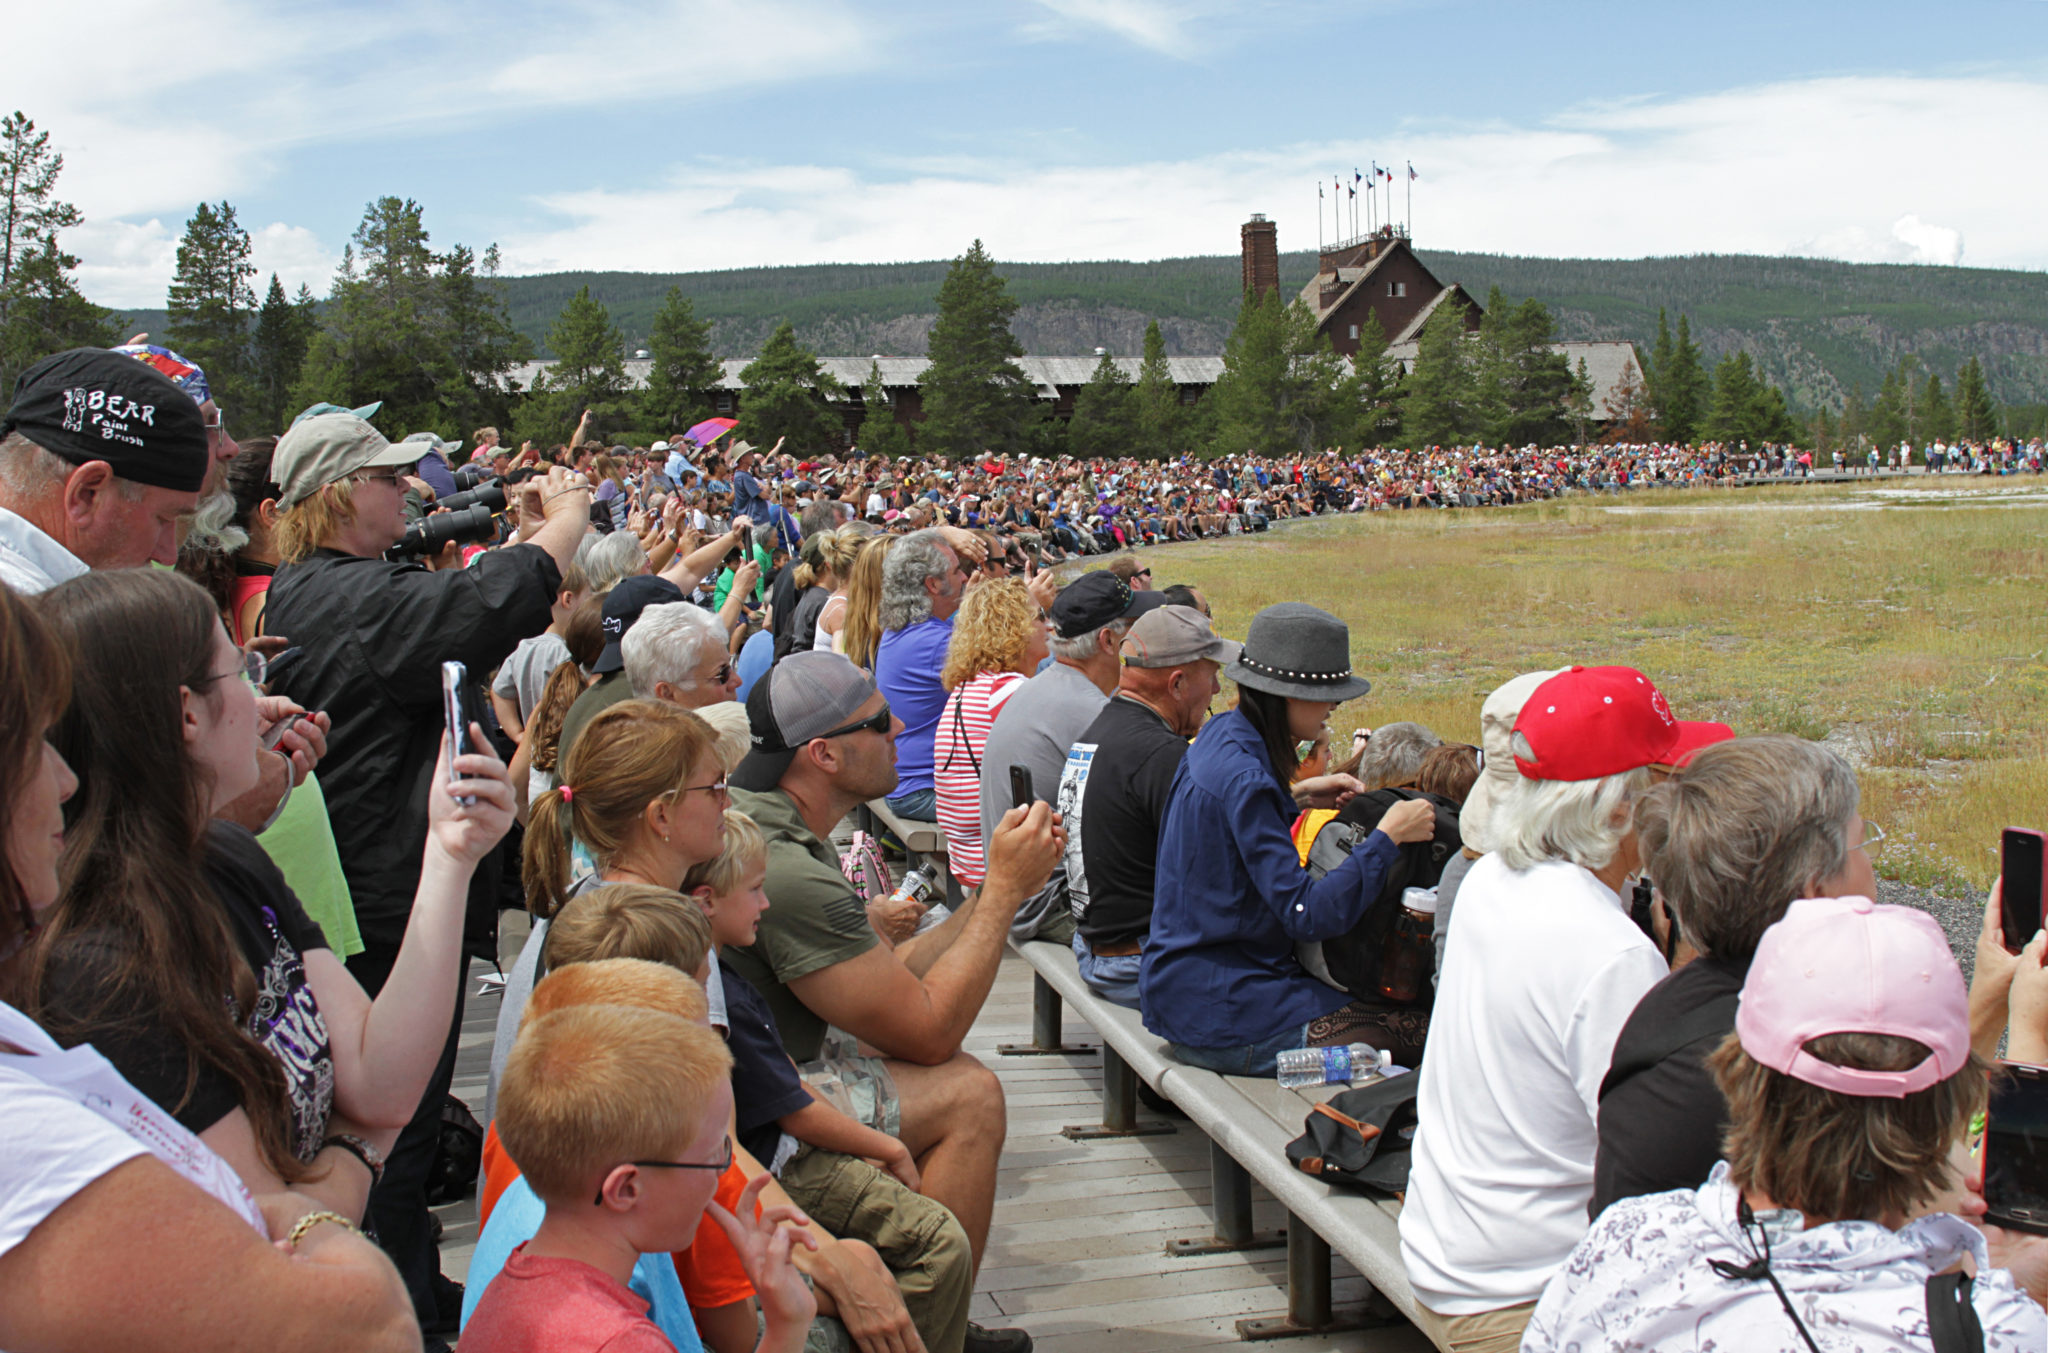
[991,631]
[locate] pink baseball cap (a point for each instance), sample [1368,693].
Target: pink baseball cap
[1843,965]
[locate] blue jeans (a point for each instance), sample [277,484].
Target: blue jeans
[1253,1059]
[1113,979]
[921,804]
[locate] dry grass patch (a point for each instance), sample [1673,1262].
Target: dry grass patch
[1914,638]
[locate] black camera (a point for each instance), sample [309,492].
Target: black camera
[469,524]
[471,475]
[491,495]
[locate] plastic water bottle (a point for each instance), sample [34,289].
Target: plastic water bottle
[1358,1064]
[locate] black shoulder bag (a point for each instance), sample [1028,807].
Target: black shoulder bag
[1362,1138]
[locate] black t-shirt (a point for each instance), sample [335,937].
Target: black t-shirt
[782,600]
[765,1085]
[1660,1129]
[273,933]
[1118,777]
[803,625]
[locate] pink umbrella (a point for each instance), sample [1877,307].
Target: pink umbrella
[710,430]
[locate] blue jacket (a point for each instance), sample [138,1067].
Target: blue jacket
[1230,899]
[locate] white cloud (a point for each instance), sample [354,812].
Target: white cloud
[295,254]
[1151,24]
[1835,167]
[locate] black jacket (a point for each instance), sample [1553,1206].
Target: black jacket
[374,635]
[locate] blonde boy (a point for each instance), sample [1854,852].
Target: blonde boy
[616,1117]
[828,1160]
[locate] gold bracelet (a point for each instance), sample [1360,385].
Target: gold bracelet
[313,1219]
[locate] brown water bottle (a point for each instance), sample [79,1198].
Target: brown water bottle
[1410,950]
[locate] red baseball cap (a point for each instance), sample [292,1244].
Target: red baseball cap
[1589,722]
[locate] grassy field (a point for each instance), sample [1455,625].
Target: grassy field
[1911,636]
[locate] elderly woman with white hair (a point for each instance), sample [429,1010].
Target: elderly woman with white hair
[1542,967]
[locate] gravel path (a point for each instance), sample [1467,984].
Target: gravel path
[1961,917]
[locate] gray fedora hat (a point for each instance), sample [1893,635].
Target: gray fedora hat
[1299,651]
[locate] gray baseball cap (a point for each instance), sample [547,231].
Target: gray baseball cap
[805,696]
[329,447]
[1168,636]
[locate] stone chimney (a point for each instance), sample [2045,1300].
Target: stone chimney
[1260,242]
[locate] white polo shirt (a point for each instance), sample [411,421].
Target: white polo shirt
[30,560]
[1541,969]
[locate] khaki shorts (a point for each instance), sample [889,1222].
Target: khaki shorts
[1485,1332]
[859,1087]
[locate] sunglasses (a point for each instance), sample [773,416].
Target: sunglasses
[721,1166]
[878,723]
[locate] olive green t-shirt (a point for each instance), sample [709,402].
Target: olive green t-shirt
[814,919]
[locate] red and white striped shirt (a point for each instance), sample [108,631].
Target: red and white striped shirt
[956,768]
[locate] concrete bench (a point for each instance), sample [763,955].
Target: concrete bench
[923,842]
[1249,1121]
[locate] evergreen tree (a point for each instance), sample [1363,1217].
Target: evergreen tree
[1975,416]
[684,369]
[427,334]
[211,305]
[1105,413]
[1375,386]
[1891,413]
[785,397]
[880,433]
[1629,413]
[1524,386]
[1661,356]
[41,310]
[589,372]
[1734,404]
[976,397]
[1159,418]
[1682,388]
[1826,432]
[1853,428]
[1933,418]
[283,332]
[1438,394]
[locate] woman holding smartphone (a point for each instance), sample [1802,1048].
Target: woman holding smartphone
[178,950]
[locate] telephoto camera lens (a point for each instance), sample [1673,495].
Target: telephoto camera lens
[430,535]
[469,476]
[491,495]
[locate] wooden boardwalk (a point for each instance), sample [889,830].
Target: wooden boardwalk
[1077,1254]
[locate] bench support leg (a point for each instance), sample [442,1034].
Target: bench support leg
[1308,1294]
[1119,1105]
[1231,1202]
[1045,1026]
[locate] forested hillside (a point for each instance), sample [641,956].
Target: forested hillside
[1813,326]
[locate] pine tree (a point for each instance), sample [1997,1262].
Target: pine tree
[1438,407]
[1891,413]
[41,310]
[785,397]
[1683,390]
[1248,400]
[428,334]
[684,370]
[1733,408]
[1659,365]
[1375,386]
[1526,385]
[1976,417]
[1854,426]
[283,332]
[589,372]
[1159,417]
[976,397]
[1933,419]
[1105,413]
[212,305]
[880,433]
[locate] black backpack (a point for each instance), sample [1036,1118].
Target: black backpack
[1363,1138]
[1353,958]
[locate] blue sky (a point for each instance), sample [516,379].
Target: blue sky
[683,134]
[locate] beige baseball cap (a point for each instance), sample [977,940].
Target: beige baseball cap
[1497,745]
[1167,636]
[330,447]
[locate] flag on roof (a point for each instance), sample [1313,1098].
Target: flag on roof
[1411,171]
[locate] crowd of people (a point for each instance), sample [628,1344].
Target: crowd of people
[288,723]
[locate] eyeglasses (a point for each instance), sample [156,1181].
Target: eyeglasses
[391,479]
[218,421]
[721,1166]
[254,666]
[717,789]
[878,723]
[1873,836]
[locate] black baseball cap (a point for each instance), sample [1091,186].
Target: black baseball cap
[622,606]
[804,696]
[1096,599]
[92,404]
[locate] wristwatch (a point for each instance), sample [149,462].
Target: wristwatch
[370,1156]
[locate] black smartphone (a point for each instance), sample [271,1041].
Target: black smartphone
[2019,863]
[281,664]
[453,677]
[747,541]
[2016,1149]
[1020,787]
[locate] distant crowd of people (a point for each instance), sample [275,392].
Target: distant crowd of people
[286,723]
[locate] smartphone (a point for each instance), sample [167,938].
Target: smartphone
[2019,862]
[747,541]
[453,677]
[281,664]
[1020,787]
[2016,1149]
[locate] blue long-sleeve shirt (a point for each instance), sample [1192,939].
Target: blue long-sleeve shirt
[1230,899]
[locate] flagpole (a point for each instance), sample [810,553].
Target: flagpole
[1411,199]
